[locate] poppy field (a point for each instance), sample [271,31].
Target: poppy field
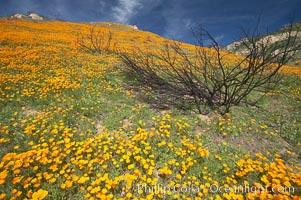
[71,127]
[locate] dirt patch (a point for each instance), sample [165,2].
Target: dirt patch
[100,127]
[102,130]
[31,112]
[204,117]
[258,143]
[126,123]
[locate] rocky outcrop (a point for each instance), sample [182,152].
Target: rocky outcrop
[234,46]
[133,26]
[35,16]
[30,16]
[275,40]
[238,47]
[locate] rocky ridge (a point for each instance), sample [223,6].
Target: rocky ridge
[29,16]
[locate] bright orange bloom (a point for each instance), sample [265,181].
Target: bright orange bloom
[40,194]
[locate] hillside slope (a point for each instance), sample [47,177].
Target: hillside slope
[73,126]
[275,38]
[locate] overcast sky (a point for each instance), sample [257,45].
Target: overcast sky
[168,18]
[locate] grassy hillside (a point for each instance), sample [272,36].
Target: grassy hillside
[73,127]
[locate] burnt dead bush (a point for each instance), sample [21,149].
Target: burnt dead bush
[208,78]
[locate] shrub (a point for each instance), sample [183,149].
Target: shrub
[210,78]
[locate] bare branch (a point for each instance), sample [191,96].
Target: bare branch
[211,78]
[96,41]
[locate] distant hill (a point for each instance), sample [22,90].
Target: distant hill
[30,16]
[275,38]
